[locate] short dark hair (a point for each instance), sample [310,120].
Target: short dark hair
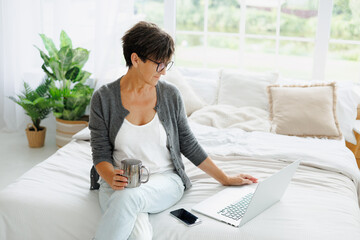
[147,40]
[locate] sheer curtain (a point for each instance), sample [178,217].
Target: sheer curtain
[20,23]
[95,25]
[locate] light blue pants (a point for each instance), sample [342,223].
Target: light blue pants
[125,212]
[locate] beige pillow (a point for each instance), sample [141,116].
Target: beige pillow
[304,111]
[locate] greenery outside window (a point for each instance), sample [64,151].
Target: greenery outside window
[344,48]
[264,35]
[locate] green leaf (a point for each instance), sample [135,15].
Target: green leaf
[66,87]
[79,111]
[55,66]
[69,115]
[66,56]
[54,92]
[65,40]
[81,56]
[72,74]
[39,100]
[25,101]
[84,76]
[43,88]
[49,74]
[27,89]
[49,45]
[59,104]
[57,114]
[13,99]
[44,56]
[35,106]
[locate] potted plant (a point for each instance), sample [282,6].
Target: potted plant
[70,94]
[37,106]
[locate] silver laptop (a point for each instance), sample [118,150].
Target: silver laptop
[238,205]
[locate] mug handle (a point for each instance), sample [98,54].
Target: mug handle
[148,174]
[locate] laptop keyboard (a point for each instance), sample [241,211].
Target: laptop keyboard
[236,210]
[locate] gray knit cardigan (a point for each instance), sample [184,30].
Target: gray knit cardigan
[107,115]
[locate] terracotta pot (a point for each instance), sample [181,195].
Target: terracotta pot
[65,129]
[36,137]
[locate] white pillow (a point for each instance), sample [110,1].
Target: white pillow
[241,89]
[191,99]
[83,134]
[204,81]
[211,74]
[205,88]
[346,105]
[347,109]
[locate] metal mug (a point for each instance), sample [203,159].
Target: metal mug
[133,171]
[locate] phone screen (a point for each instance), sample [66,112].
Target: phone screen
[185,216]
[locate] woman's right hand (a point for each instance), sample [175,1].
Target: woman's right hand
[112,176]
[118,181]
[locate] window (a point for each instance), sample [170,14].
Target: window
[265,35]
[207,33]
[344,47]
[298,22]
[190,37]
[150,10]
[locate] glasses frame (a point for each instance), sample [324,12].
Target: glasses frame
[167,66]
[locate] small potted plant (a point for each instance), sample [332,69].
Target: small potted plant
[37,106]
[69,91]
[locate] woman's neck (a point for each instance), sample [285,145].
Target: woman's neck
[132,82]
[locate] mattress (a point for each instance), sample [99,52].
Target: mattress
[53,200]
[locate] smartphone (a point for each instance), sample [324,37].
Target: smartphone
[185,217]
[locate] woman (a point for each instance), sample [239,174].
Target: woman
[138,116]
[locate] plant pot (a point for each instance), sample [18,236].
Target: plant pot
[36,137]
[65,129]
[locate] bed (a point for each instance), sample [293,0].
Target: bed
[53,200]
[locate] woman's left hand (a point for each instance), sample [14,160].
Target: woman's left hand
[240,179]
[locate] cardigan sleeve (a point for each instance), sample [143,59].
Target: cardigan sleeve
[189,146]
[100,142]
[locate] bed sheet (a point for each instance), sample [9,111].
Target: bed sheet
[321,201]
[329,154]
[53,200]
[318,204]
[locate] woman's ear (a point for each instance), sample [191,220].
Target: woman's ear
[135,60]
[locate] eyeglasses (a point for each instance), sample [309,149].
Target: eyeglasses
[161,66]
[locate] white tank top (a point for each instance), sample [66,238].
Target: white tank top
[146,143]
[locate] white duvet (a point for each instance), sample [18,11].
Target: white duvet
[227,116]
[53,200]
[322,201]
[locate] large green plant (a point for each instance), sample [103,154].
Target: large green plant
[36,103]
[69,93]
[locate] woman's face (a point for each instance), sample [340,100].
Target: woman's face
[148,71]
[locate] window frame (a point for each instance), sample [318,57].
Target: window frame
[321,40]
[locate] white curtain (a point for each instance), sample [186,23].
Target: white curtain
[2,122]
[95,25]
